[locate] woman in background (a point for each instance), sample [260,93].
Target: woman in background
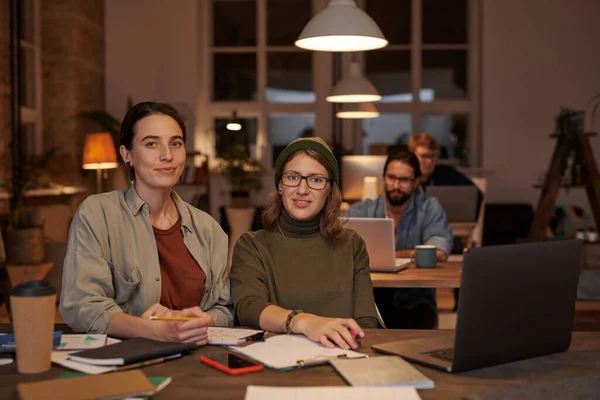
[304,273]
[144,252]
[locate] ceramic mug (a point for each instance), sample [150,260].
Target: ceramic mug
[424,256]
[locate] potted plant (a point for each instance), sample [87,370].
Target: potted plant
[243,173]
[24,239]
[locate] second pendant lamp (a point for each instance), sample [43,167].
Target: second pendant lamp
[354,88]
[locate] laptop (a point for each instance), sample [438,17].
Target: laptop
[516,302]
[378,234]
[459,202]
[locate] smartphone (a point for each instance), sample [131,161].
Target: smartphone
[231,363]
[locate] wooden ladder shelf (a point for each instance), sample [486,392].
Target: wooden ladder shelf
[553,183]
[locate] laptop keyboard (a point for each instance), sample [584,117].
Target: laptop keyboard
[442,354]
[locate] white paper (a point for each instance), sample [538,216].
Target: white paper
[82,342]
[60,358]
[229,336]
[331,393]
[6,361]
[284,351]
[112,340]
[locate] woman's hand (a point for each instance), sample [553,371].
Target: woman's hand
[195,331]
[328,331]
[157,310]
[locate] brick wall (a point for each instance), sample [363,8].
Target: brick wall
[72,80]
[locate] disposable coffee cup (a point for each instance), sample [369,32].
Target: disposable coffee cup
[33,305]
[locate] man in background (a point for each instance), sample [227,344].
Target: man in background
[418,219]
[426,149]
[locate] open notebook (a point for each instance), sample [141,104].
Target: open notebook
[292,351]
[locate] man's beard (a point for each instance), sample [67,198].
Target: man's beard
[397,201]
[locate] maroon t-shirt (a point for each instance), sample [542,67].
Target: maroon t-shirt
[182,278]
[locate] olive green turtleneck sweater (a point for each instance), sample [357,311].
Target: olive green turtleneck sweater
[295,268]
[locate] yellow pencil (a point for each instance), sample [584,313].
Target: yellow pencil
[172,318]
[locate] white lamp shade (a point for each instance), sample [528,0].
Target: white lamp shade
[234,123]
[341,26]
[233,126]
[357,111]
[354,88]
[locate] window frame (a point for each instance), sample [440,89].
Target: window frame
[469,106]
[29,115]
[207,109]
[349,131]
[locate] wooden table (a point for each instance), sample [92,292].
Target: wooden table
[193,380]
[444,275]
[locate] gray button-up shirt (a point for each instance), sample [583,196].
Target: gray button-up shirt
[112,262]
[423,222]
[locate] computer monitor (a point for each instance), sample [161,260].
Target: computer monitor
[355,169]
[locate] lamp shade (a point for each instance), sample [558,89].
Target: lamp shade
[99,151]
[357,111]
[354,88]
[341,26]
[234,123]
[233,126]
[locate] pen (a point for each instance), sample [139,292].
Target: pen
[148,362]
[172,318]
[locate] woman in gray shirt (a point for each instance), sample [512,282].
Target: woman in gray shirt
[144,252]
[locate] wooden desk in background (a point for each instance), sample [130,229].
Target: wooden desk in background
[463,231]
[444,275]
[194,380]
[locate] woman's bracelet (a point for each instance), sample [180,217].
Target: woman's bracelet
[290,318]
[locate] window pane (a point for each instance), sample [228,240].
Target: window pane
[281,29]
[445,72]
[234,23]
[226,139]
[27,78]
[393,18]
[389,129]
[289,78]
[283,128]
[234,77]
[444,21]
[28,21]
[389,71]
[451,133]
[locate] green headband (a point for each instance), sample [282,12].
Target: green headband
[312,143]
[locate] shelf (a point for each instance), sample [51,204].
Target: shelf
[48,192]
[588,134]
[562,185]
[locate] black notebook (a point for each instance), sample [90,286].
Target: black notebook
[131,351]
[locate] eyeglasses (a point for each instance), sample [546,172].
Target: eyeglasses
[402,180]
[428,156]
[316,182]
